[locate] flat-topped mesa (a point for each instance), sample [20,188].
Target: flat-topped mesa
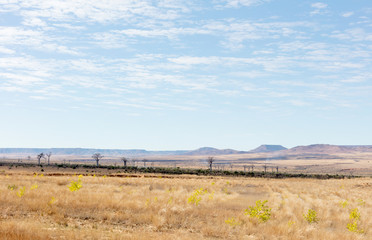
[213,151]
[329,149]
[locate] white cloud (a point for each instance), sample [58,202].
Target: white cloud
[21,79]
[347,14]
[319,8]
[69,26]
[13,89]
[357,79]
[169,33]
[8,5]
[233,34]
[189,60]
[110,40]
[354,34]
[34,22]
[58,48]
[20,36]
[239,3]
[102,11]
[34,39]
[319,5]
[6,50]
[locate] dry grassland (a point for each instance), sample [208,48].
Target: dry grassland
[157,207]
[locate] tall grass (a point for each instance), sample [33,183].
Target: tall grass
[159,207]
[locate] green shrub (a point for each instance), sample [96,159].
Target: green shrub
[311,216]
[260,211]
[195,198]
[354,218]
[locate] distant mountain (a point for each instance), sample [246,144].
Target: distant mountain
[213,151]
[268,148]
[87,151]
[299,150]
[329,149]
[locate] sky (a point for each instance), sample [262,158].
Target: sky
[184,74]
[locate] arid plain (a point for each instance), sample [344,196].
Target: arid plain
[89,204]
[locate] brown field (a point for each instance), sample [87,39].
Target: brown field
[113,205]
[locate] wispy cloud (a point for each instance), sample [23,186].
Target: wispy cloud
[239,3]
[319,5]
[347,14]
[319,8]
[95,10]
[34,39]
[5,50]
[64,48]
[354,34]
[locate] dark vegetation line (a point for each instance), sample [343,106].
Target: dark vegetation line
[180,171]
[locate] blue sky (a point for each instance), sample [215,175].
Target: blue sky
[179,74]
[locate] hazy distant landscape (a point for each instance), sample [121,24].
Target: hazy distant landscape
[317,158]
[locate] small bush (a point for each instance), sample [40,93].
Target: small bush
[12,187]
[21,192]
[232,222]
[195,198]
[354,214]
[354,218]
[344,204]
[311,216]
[260,211]
[74,186]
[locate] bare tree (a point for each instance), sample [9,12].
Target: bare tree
[97,157]
[210,161]
[125,160]
[49,155]
[39,157]
[144,162]
[265,167]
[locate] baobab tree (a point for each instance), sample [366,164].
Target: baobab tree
[97,157]
[210,161]
[39,157]
[125,160]
[49,155]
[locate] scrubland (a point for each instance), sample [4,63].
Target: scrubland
[138,206]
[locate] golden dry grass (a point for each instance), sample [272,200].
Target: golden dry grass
[157,207]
